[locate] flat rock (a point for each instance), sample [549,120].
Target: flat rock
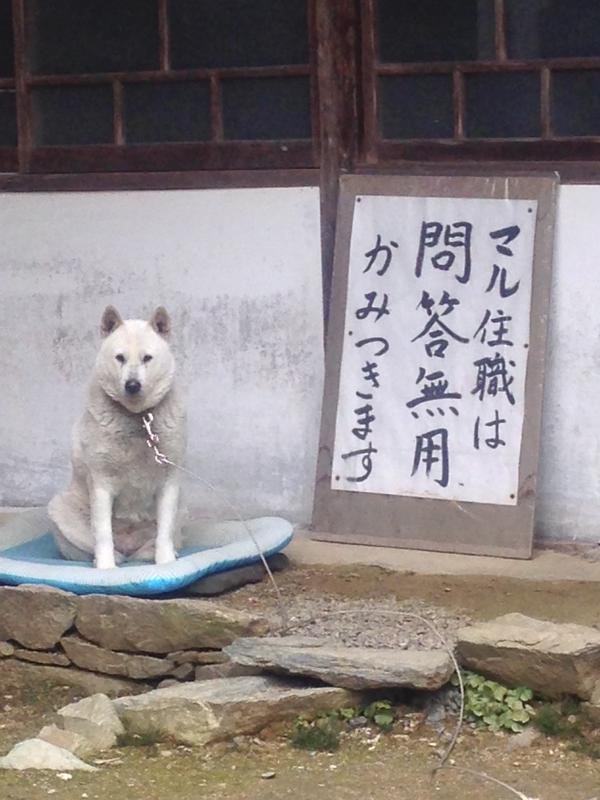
[221,582]
[22,672]
[97,659]
[198,657]
[42,657]
[35,616]
[161,626]
[551,658]
[207,711]
[38,754]
[167,682]
[68,740]
[348,667]
[6,649]
[184,672]
[229,670]
[94,718]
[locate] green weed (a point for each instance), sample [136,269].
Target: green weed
[495,706]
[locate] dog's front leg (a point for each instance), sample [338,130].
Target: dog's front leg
[166,514]
[101,503]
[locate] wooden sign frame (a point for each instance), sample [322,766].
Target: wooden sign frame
[409,522]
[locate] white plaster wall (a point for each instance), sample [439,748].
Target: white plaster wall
[240,272]
[568,505]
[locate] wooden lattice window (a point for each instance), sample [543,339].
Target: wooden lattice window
[157,84]
[515,79]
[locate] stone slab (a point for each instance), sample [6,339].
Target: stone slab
[348,667]
[98,659]
[38,754]
[161,626]
[207,711]
[42,657]
[94,718]
[551,658]
[198,657]
[73,742]
[184,672]
[35,616]
[17,672]
[228,670]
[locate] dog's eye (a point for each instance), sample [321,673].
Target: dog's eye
[120,358]
[146,359]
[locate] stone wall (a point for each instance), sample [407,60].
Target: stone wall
[118,645]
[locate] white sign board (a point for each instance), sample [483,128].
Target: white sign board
[431,394]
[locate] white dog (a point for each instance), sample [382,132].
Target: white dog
[121,503]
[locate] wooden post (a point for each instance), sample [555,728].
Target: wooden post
[336,27]
[24,123]
[164,44]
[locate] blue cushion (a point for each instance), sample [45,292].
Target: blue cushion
[29,555]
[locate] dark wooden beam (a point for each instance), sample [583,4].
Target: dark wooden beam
[514,65]
[234,155]
[24,123]
[393,153]
[500,29]
[154,76]
[164,40]
[370,69]
[149,181]
[569,171]
[336,27]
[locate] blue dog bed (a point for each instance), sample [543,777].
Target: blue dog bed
[28,555]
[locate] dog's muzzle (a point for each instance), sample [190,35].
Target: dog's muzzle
[133,387]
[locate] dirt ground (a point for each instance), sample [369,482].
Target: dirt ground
[478,597]
[366,767]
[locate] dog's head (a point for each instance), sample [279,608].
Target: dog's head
[135,365]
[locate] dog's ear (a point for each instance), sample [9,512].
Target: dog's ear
[161,322]
[111,319]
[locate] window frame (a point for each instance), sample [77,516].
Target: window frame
[215,154]
[546,150]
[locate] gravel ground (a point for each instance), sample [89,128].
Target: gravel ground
[373,622]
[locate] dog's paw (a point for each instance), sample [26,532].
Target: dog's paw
[105,561]
[165,555]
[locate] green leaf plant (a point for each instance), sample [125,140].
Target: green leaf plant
[495,706]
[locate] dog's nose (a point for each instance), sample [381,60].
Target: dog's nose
[132,386]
